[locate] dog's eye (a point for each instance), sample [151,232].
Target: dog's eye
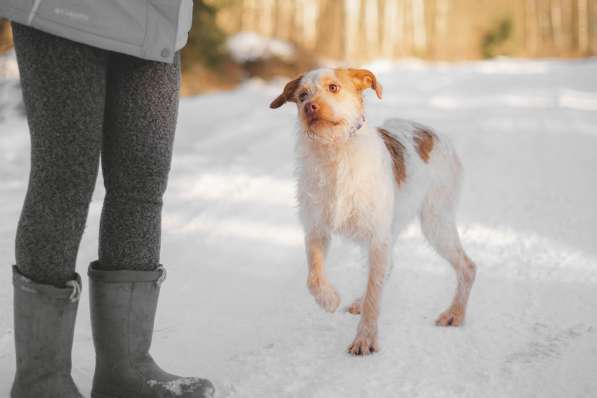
[334,88]
[303,96]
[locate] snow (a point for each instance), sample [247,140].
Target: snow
[180,386]
[250,47]
[235,307]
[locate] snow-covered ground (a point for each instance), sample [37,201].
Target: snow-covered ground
[235,307]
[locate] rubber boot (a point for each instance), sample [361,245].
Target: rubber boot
[44,323]
[123,307]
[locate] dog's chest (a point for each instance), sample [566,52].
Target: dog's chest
[347,197]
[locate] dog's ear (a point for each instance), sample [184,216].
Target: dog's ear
[287,94]
[364,79]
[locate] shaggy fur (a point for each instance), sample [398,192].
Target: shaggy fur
[367,184]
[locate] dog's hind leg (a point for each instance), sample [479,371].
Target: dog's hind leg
[439,227]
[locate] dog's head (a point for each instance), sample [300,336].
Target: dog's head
[329,101]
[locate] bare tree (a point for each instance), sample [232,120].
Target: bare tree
[583,31]
[330,29]
[419,27]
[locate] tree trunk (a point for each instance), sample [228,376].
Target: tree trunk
[582,26]
[330,29]
[419,27]
[556,19]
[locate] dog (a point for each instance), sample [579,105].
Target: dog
[368,183]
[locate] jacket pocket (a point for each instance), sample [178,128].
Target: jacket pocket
[162,25]
[120,20]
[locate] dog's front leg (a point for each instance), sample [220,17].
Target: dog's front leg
[366,340]
[327,297]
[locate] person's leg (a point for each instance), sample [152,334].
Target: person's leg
[140,120]
[63,86]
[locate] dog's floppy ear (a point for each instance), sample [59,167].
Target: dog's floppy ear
[287,94]
[363,79]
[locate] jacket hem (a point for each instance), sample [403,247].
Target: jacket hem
[68,32]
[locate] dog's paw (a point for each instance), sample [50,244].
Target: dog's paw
[453,316]
[355,307]
[326,296]
[363,345]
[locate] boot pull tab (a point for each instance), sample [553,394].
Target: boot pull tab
[76,294]
[163,275]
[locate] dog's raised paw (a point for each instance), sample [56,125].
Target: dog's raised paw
[363,345]
[453,316]
[326,296]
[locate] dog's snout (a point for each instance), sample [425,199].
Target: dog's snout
[311,108]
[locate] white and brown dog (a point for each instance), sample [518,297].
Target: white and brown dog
[367,184]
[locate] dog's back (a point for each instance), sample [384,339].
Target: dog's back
[424,164]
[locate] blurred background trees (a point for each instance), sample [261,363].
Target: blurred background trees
[232,40]
[433,29]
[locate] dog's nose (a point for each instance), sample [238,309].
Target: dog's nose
[311,108]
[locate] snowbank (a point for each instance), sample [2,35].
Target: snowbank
[251,47]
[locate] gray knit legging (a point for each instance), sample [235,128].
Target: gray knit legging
[82,101]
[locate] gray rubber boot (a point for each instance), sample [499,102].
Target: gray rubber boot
[123,306]
[44,323]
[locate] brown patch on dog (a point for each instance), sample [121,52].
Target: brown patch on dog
[396,150]
[424,140]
